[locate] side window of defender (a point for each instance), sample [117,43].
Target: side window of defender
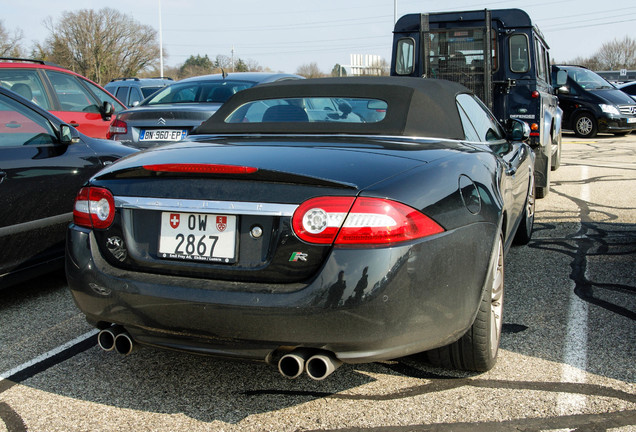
[540,56]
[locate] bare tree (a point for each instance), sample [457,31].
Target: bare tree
[613,55]
[310,70]
[10,45]
[618,54]
[253,66]
[377,68]
[222,62]
[101,45]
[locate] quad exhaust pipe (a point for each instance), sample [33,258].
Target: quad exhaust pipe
[115,338]
[317,364]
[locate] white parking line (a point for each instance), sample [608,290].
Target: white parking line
[575,349]
[48,354]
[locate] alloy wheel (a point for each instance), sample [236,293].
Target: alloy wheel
[496,300]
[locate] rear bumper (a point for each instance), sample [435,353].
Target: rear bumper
[364,305]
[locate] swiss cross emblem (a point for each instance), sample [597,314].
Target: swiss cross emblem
[221,223]
[174,220]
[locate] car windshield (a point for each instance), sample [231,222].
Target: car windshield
[588,79]
[213,91]
[310,109]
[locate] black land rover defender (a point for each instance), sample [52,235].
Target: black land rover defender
[514,81]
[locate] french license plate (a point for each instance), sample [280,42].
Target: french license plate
[198,237]
[162,134]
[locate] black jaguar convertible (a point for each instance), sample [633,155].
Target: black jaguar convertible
[310,223]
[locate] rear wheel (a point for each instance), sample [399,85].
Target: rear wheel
[541,192]
[477,349]
[524,231]
[585,126]
[556,157]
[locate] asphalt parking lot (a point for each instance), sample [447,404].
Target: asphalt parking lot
[566,361]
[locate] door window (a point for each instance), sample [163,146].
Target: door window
[481,119]
[122,94]
[103,96]
[135,96]
[542,69]
[21,126]
[26,83]
[71,94]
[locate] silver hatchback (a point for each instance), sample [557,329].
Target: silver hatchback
[173,112]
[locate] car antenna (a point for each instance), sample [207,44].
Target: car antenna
[223,73]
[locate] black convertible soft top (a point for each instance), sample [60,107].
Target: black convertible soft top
[417,107]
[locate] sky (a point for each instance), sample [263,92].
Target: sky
[284,34]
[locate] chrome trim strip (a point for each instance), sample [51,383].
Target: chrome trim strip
[203,206]
[64,218]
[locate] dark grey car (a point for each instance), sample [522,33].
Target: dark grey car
[131,91]
[170,114]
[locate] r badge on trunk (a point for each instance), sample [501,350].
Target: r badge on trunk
[298,256]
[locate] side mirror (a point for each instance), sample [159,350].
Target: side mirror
[68,135]
[561,78]
[135,103]
[518,130]
[107,110]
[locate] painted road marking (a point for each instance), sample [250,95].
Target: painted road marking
[575,349]
[48,355]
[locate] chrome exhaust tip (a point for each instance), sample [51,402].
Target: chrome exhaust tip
[106,338]
[320,366]
[292,365]
[124,343]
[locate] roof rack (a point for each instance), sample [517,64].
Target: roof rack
[17,59]
[138,79]
[125,79]
[22,60]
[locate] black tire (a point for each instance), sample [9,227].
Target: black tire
[477,349]
[556,161]
[524,230]
[541,192]
[585,126]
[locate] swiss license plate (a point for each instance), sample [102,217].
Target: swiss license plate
[162,134]
[198,237]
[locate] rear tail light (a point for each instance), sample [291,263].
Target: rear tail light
[360,221]
[117,127]
[94,208]
[534,129]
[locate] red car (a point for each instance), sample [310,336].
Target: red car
[73,98]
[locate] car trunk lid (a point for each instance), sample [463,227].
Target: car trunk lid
[250,212]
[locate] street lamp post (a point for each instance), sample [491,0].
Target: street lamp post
[160,43]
